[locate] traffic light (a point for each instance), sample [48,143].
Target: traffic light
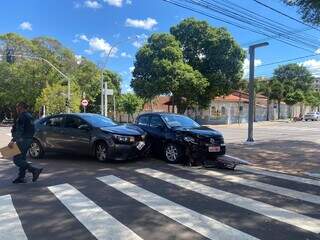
[10,55]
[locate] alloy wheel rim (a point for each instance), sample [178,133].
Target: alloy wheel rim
[101,153]
[35,150]
[171,153]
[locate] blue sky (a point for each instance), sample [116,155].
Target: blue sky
[91,27]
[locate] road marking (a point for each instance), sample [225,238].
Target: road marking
[202,224]
[102,225]
[275,174]
[259,185]
[10,224]
[283,215]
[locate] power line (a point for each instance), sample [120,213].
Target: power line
[231,23]
[288,60]
[286,15]
[252,21]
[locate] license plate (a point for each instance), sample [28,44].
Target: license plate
[140,145]
[214,149]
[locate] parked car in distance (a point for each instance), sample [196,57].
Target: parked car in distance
[312,116]
[87,134]
[175,136]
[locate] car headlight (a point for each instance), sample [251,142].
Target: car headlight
[124,139]
[189,139]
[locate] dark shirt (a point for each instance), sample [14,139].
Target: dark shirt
[23,128]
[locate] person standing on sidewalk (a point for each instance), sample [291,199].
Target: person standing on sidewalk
[22,134]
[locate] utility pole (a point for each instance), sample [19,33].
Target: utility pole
[251,89]
[106,99]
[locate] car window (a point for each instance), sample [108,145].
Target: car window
[143,120]
[180,121]
[156,121]
[74,122]
[99,121]
[54,122]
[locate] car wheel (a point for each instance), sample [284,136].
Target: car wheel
[172,153]
[36,150]
[101,151]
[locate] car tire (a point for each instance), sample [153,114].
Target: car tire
[101,150]
[36,150]
[172,153]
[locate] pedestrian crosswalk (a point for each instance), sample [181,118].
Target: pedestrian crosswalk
[141,186]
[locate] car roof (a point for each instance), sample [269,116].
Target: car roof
[159,114]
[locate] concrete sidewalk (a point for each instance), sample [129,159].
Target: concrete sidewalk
[292,147]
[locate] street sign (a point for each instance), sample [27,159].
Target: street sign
[84,102]
[109,92]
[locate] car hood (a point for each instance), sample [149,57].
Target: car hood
[199,131]
[129,130]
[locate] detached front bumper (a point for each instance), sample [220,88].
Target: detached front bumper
[202,151]
[122,152]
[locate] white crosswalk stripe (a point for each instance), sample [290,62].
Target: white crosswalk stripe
[259,185]
[279,175]
[10,224]
[101,224]
[202,224]
[283,215]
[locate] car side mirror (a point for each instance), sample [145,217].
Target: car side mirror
[84,127]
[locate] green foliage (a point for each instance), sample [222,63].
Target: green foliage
[26,78]
[310,9]
[55,97]
[213,52]
[130,103]
[160,69]
[312,98]
[293,98]
[294,77]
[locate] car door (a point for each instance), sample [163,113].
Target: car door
[77,135]
[157,130]
[52,133]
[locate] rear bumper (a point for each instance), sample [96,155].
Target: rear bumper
[122,152]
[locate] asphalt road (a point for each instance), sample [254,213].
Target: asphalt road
[79,198]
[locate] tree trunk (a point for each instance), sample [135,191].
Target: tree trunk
[279,108]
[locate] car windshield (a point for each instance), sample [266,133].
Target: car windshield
[99,121]
[180,121]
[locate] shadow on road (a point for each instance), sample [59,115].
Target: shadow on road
[284,155]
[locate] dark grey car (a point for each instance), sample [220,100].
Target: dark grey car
[88,134]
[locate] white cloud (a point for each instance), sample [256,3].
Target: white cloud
[246,65]
[83,37]
[125,55]
[313,66]
[26,26]
[76,5]
[115,3]
[129,2]
[131,69]
[147,24]
[318,51]
[98,45]
[141,40]
[92,4]
[78,59]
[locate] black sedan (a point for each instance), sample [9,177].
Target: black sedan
[87,134]
[175,136]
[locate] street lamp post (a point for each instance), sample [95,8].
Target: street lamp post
[104,104]
[55,68]
[251,89]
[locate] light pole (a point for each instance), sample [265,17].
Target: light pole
[104,105]
[251,89]
[55,68]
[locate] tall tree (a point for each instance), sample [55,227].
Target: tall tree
[277,93]
[293,98]
[213,52]
[309,9]
[160,69]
